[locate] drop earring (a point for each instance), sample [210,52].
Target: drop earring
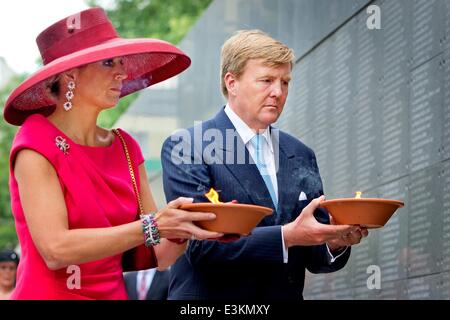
[69,95]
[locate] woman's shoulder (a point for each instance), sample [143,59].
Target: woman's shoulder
[128,137]
[37,134]
[34,128]
[132,145]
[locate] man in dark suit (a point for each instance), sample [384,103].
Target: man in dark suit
[241,155]
[148,284]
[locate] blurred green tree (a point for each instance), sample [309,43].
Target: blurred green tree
[167,20]
[8,238]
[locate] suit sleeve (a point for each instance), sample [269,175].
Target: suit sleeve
[185,174]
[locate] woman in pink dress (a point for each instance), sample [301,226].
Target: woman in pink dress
[77,190]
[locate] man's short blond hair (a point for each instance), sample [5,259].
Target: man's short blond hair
[251,44]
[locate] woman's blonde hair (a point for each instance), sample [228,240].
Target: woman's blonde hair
[251,44]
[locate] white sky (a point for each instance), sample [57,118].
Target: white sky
[20,23]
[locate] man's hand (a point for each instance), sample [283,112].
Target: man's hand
[307,231]
[347,239]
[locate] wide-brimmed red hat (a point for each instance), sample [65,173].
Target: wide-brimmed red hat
[83,38]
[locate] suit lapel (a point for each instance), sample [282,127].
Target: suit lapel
[285,162]
[132,285]
[152,293]
[159,287]
[236,159]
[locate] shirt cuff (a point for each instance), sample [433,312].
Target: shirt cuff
[285,251]
[333,258]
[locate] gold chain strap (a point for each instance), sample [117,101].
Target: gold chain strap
[130,167]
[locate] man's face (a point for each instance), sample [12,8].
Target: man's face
[260,93]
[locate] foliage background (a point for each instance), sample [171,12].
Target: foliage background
[168,20]
[8,237]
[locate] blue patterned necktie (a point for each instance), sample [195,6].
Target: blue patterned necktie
[262,167]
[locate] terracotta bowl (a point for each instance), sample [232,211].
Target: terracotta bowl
[232,218]
[367,212]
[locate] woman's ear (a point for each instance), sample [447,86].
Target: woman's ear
[70,75]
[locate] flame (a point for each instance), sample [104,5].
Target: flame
[358,194]
[212,196]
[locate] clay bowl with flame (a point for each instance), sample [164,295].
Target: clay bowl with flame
[366,212]
[231,218]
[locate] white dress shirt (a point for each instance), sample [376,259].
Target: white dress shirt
[145,276]
[246,134]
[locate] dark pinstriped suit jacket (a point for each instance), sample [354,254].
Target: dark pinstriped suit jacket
[252,267]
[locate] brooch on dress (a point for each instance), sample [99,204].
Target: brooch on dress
[62,145]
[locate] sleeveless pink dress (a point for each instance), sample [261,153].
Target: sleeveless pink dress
[98,193]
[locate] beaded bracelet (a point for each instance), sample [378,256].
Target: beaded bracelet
[150,230]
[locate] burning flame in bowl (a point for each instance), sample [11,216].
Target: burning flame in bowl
[213,196]
[358,194]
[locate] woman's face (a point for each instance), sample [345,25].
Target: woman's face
[7,274]
[100,83]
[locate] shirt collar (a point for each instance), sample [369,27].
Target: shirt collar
[244,131]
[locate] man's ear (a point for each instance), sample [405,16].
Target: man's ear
[231,83]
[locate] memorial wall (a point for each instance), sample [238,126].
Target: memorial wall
[374,104]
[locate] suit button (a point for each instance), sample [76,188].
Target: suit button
[291,281]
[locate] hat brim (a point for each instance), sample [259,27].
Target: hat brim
[146,61]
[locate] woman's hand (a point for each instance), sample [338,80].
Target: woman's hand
[176,223]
